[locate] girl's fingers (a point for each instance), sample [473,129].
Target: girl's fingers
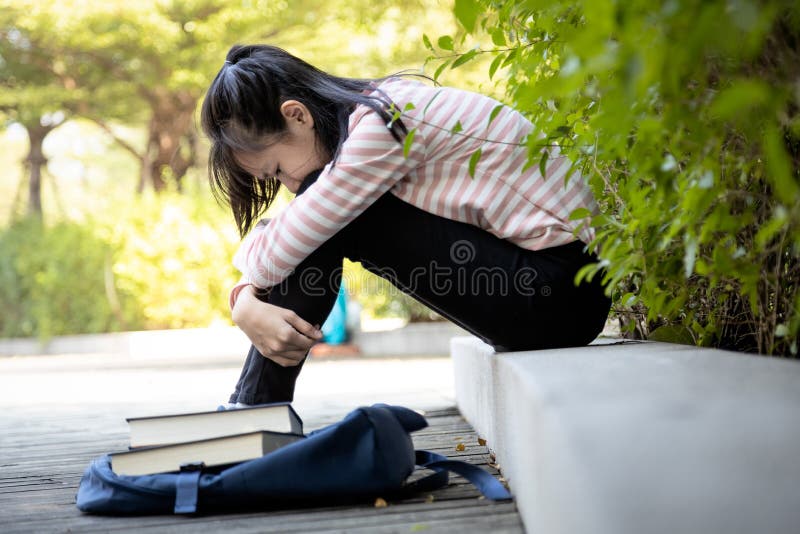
[300,342]
[287,359]
[283,362]
[304,327]
[289,339]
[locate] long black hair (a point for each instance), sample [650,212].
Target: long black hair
[241,112]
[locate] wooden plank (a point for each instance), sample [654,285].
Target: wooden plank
[40,469]
[309,519]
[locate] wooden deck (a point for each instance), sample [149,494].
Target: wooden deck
[42,457]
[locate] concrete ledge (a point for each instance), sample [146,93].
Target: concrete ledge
[186,343]
[639,437]
[414,339]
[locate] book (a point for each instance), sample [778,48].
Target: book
[197,426]
[211,452]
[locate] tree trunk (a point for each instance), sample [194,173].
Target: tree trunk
[34,161]
[170,147]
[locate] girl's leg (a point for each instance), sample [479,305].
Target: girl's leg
[310,292]
[512,298]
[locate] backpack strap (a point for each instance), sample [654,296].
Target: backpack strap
[489,486]
[186,486]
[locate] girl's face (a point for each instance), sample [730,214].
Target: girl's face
[293,157]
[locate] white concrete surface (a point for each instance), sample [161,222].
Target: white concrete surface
[431,338]
[110,387]
[639,438]
[411,339]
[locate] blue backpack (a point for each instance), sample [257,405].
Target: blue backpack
[366,455]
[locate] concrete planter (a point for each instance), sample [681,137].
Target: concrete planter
[639,437]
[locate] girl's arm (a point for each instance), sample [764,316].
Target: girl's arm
[370,163]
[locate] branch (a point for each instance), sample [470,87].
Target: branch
[120,141]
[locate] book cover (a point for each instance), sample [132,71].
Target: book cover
[196,426]
[211,452]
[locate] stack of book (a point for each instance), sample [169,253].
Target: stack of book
[166,442]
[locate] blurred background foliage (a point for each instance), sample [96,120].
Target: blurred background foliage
[106,222]
[685,117]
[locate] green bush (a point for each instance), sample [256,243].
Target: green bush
[175,255]
[684,116]
[379,298]
[157,262]
[59,280]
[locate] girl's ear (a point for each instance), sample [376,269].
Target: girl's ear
[297,114]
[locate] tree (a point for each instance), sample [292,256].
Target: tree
[33,96]
[684,118]
[151,61]
[144,61]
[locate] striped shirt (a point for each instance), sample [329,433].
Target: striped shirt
[498,194]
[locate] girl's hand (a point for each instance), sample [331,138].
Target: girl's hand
[278,334]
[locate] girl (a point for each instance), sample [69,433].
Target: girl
[425,186]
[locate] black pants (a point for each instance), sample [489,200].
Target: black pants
[512,298]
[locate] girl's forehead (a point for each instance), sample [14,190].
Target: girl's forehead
[251,161]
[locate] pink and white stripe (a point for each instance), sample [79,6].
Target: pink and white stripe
[519,205]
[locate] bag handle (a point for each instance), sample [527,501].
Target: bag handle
[489,486]
[186,484]
[186,487]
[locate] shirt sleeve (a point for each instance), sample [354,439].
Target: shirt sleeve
[370,163]
[234,294]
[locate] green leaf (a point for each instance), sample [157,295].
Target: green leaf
[769,230]
[463,58]
[580,213]
[445,42]
[440,69]
[395,115]
[742,96]
[586,272]
[494,113]
[561,131]
[435,96]
[672,333]
[427,42]
[498,37]
[467,12]
[473,162]
[495,64]
[409,106]
[408,140]
[510,57]
[779,166]
[543,164]
[457,127]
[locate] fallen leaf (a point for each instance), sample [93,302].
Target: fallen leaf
[460,447]
[380,503]
[481,442]
[429,498]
